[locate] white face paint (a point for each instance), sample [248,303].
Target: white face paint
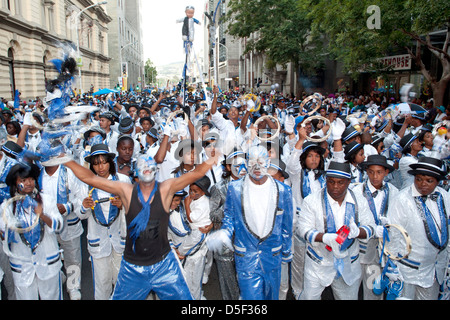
[146,169]
[258,162]
[238,167]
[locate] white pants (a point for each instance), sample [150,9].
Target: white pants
[284,284]
[414,292]
[297,266]
[369,273]
[8,279]
[41,289]
[341,291]
[194,267]
[72,259]
[104,274]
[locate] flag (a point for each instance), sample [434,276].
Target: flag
[17,100]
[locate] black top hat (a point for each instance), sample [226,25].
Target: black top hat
[153,133]
[378,160]
[182,193]
[187,144]
[406,141]
[313,145]
[429,167]
[108,115]
[152,123]
[24,171]
[126,124]
[376,138]
[204,184]
[351,149]
[280,166]
[99,149]
[339,170]
[209,138]
[12,148]
[94,129]
[349,133]
[204,122]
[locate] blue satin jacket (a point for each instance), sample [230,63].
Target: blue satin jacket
[251,252]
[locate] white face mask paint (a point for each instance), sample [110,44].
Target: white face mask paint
[258,162]
[238,167]
[146,169]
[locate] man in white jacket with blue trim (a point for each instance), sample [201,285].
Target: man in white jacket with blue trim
[322,215]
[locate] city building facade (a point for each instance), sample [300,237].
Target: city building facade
[226,49]
[32,32]
[125,44]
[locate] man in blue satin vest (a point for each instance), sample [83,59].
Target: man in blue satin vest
[259,214]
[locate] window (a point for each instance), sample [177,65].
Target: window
[12,78]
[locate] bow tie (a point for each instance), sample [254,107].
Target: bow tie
[375,193]
[432,197]
[121,166]
[315,171]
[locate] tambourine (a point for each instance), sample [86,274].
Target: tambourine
[403,244]
[11,221]
[358,115]
[316,96]
[99,201]
[273,136]
[326,120]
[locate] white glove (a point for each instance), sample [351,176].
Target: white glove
[354,230]
[216,240]
[250,105]
[393,273]
[385,220]
[183,131]
[337,129]
[289,124]
[379,231]
[28,119]
[330,240]
[167,130]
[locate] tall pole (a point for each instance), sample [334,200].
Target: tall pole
[121,58]
[78,39]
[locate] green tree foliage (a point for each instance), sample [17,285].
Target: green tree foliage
[150,72]
[405,26]
[277,28]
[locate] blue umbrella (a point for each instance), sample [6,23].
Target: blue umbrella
[105,91]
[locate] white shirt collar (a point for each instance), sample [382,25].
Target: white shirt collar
[348,198]
[371,187]
[415,192]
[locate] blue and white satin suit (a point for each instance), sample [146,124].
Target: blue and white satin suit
[258,261]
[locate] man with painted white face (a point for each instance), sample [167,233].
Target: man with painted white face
[149,263]
[258,216]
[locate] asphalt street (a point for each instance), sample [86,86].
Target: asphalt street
[211,289]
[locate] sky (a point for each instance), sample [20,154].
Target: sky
[162,35]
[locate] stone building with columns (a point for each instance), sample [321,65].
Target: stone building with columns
[31,33]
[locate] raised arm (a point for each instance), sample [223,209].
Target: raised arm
[120,189]
[186,179]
